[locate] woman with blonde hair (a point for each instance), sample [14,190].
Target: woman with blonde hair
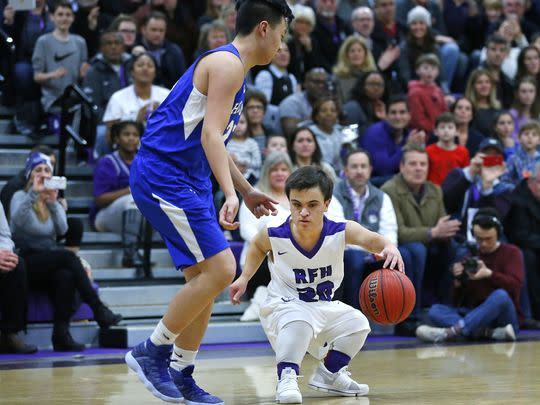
[354,58]
[482,92]
[277,167]
[37,219]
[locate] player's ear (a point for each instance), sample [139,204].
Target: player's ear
[263,28]
[326,204]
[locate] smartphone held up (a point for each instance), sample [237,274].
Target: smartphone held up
[55,183]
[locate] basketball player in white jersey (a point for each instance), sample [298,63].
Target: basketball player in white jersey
[305,257]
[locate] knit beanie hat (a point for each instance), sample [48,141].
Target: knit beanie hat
[419,13]
[36,159]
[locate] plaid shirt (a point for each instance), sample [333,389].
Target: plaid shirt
[520,166]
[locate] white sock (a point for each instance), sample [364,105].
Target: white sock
[182,358]
[162,336]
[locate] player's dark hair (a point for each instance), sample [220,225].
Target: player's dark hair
[61,3]
[251,12]
[308,177]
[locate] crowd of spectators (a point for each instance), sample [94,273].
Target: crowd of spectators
[441,96]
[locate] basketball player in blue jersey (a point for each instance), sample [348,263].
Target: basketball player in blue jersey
[305,258]
[183,145]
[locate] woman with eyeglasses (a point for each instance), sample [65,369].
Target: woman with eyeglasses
[126,25]
[255,103]
[368,101]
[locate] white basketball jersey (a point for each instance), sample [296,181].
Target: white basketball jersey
[309,276]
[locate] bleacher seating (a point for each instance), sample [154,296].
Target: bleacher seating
[139,301]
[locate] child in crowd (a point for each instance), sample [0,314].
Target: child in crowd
[446,154]
[275,143]
[426,99]
[245,151]
[521,164]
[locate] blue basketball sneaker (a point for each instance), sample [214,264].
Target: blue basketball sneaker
[151,363]
[193,394]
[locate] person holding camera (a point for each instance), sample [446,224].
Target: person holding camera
[486,290]
[477,186]
[37,218]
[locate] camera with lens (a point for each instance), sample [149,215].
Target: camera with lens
[470,261]
[470,264]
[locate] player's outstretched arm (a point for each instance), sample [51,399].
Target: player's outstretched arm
[258,249]
[356,234]
[221,74]
[258,203]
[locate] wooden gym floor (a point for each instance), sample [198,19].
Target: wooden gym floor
[398,371]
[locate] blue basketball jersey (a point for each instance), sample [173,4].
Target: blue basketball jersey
[171,150]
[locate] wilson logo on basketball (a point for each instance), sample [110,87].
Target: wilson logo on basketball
[372,295]
[387,296]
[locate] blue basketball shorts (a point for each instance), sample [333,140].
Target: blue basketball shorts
[185,219]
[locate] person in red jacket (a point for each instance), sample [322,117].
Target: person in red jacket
[446,154]
[426,99]
[486,290]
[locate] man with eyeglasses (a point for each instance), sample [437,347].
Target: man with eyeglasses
[363,22]
[298,106]
[127,27]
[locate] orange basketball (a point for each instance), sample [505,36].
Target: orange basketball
[387,296]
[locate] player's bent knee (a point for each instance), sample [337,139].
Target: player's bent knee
[223,267]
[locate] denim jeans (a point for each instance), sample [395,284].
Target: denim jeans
[496,311]
[414,256]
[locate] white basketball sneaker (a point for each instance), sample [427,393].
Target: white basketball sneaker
[504,333]
[287,391]
[339,383]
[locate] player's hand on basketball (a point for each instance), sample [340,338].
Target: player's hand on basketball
[228,213]
[392,258]
[259,203]
[237,289]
